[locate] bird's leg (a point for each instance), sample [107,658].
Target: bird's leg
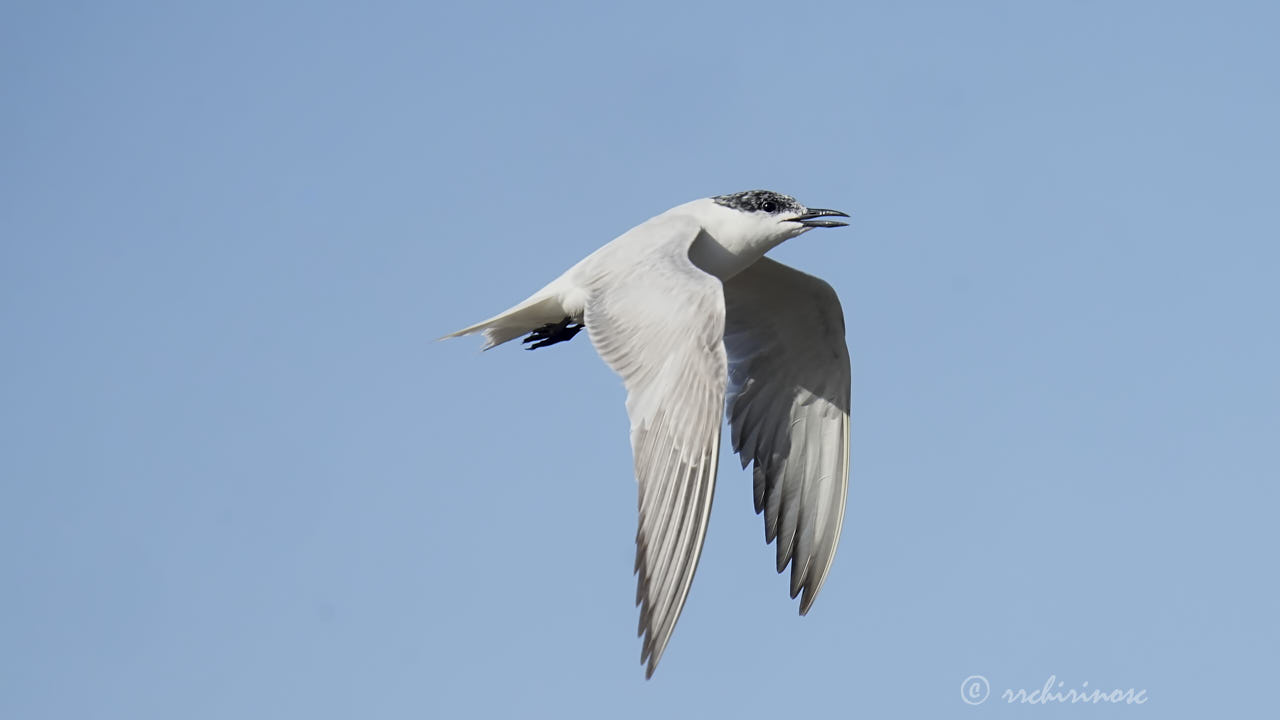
[553,333]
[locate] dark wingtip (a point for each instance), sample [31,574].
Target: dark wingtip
[806,600]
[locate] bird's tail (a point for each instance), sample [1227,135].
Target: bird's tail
[537,311]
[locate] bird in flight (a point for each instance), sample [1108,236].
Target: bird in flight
[688,310]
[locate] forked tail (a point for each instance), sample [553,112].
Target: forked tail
[523,319]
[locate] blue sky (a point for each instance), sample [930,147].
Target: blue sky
[239,477]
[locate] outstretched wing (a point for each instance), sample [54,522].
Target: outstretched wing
[658,321]
[789,410]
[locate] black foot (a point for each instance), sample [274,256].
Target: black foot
[553,333]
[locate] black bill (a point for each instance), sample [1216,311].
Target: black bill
[810,218]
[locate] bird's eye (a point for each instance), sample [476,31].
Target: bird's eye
[769,206]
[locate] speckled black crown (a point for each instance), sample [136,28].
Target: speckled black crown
[759,201]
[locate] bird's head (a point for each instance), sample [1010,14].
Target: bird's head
[774,217]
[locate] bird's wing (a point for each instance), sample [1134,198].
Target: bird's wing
[788,405]
[658,321]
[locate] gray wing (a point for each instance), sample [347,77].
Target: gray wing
[658,321]
[788,405]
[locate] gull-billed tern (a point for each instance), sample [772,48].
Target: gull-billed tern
[686,308]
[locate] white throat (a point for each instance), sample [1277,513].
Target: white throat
[732,241]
